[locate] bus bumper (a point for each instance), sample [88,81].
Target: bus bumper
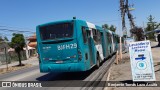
[69,67]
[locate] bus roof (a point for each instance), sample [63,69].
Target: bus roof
[55,22]
[91,25]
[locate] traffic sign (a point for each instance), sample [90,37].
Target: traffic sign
[141,61]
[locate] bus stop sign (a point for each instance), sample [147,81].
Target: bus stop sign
[141,61]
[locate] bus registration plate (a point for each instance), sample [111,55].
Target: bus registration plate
[59,61]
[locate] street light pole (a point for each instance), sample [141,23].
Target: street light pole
[27,56]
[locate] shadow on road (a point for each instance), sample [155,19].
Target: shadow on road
[57,76]
[157,70]
[155,46]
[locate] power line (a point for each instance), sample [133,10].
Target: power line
[16,27]
[106,21]
[12,30]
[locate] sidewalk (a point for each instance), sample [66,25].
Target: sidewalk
[32,61]
[122,71]
[155,52]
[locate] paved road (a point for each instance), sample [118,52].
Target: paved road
[33,74]
[19,74]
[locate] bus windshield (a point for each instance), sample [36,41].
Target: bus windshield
[56,31]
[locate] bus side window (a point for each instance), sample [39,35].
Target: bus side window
[84,35]
[108,37]
[94,35]
[88,33]
[98,39]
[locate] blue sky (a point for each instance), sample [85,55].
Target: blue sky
[27,14]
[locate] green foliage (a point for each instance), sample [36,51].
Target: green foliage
[3,40]
[151,25]
[112,27]
[138,33]
[18,42]
[6,39]
[105,26]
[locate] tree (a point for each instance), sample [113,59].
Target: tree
[112,27]
[3,39]
[151,25]
[6,39]
[18,42]
[138,33]
[105,26]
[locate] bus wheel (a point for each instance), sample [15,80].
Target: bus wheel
[98,61]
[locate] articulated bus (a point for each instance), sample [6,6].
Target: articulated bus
[73,45]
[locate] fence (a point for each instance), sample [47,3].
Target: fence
[10,57]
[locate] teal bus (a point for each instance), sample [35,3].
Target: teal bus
[73,45]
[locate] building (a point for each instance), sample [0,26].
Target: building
[32,41]
[31,45]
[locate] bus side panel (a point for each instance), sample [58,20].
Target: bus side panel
[103,38]
[83,48]
[110,44]
[107,44]
[88,49]
[38,42]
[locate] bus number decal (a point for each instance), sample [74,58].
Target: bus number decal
[67,46]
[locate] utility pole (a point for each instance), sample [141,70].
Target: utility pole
[125,9]
[27,56]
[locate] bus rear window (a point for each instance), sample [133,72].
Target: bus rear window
[56,31]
